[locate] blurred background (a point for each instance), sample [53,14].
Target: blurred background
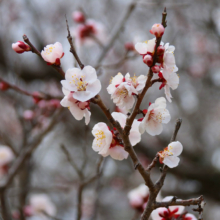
[193,27]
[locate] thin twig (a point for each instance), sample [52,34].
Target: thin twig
[34,50]
[72,163]
[72,48]
[116,31]
[34,95]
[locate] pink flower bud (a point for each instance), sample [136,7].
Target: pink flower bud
[28,211]
[160,50]
[155,69]
[28,115]
[157,30]
[148,60]
[37,97]
[15,214]
[20,47]
[55,103]
[4,86]
[78,17]
[129,46]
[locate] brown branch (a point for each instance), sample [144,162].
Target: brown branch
[174,202]
[153,163]
[4,207]
[34,95]
[72,48]
[72,163]
[17,165]
[148,82]
[116,31]
[34,50]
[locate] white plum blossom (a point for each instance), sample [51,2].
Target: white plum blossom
[168,57]
[146,47]
[169,156]
[107,143]
[40,204]
[138,196]
[157,30]
[77,108]
[170,79]
[154,117]
[52,53]
[172,212]
[6,155]
[83,84]
[85,33]
[122,89]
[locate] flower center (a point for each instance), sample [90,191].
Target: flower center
[123,92]
[99,137]
[49,50]
[79,82]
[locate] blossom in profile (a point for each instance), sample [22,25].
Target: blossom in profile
[168,56]
[83,84]
[20,47]
[169,156]
[138,196]
[122,89]
[155,116]
[147,47]
[77,108]
[157,30]
[40,205]
[169,79]
[108,143]
[172,212]
[52,53]
[89,33]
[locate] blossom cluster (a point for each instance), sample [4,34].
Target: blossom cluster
[138,199]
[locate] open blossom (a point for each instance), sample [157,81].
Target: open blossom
[77,108]
[146,47]
[172,212]
[138,196]
[155,115]
[52,53]
[40,204]
[122,89]
[20,47]
[83,84]
[170,79]
[168,57]
[169,156]
[106,141]
[157,30]
[85,33]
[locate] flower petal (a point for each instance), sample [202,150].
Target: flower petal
[176,148]
[118,153]
[141,48]
[171,161]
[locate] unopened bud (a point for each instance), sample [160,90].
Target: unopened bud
[28,115]
[20,47]
[160,50]
[37,97]
[157,30]
[129,46]
[78,17]
[148,60]
[155,69]
[4,86]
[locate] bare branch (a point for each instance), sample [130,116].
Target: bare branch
[72,48]
[116,31]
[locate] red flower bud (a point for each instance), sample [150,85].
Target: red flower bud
[157,30]
[4,86]
[78,17]
[129,46]
[20,47]
[160,50]
[155,69]
[148,60]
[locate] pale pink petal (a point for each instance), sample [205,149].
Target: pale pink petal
[141,48]
[171,161]
[176,148]
[154,128]
[121,118]
[118,153]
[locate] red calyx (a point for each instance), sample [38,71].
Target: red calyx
[4,86]
[57,62]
